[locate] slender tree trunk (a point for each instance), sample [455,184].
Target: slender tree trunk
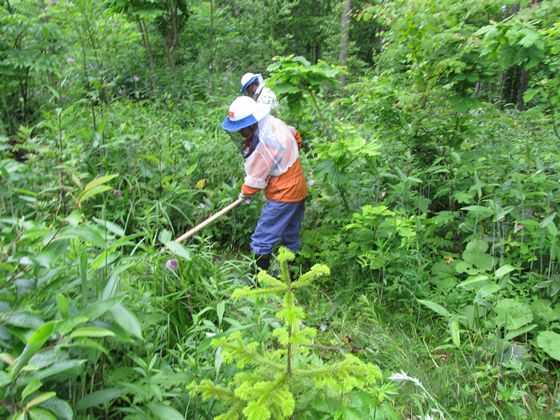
[344,36]
[522,85]
[149,52]
[172,37]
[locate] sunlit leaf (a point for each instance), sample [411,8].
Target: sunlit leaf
[127,320]
[549,341]
[437,308]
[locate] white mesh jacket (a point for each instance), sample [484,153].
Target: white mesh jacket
[266,96]
[274,154]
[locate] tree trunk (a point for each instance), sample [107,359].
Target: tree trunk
[344,36]
[149,53]
[172,37]
[515,80]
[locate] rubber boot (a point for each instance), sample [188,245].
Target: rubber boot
[263,261]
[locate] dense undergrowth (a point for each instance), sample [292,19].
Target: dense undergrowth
[433,201]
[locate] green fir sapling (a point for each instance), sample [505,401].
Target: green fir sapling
[288,377]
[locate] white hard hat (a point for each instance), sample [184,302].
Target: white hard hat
[244,112]
[247,79]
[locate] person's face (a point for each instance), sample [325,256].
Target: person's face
[251,89]
[243,134]
[248,132]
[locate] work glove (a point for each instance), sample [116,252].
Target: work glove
[246,198]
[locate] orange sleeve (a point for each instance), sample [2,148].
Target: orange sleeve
[245,189]
[298,138]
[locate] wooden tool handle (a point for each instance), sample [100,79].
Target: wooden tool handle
[209,220]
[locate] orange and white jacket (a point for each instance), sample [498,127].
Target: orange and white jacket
[274,166]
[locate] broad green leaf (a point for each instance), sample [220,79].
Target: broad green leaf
[164,236]
[111,287]
[74,218]
[520,331]
[455,332]
[547,220]
[36,341]
[63,305]
[93,192]
[19,416]
[91,332]
[55,370]
[486,291]
[477,246]
[97,309]
[437,308]
[104,259]
[110,226]
[164,412]
[40,399]
[127,320]
[549,341]
[218,360]
[37,413]
[30,388]
[220,308]
[475,254]
[542,308]
[67,325]
[24,320]
[85,343]
[513,314]
[99,181]
[552,229]
[178,250]
[480,212]
[474,282]
[502,271]
[4,379]
[60,408]
[84,232]
[99,397]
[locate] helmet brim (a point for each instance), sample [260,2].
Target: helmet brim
[246,85]
[234,126]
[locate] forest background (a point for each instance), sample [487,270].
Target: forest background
[431,148]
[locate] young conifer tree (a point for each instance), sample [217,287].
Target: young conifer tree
[288,377]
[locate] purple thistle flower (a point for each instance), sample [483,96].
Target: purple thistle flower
[172,264]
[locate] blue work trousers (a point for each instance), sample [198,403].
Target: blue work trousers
[279,223]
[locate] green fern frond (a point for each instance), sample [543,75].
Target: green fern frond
[285,255]
[244,354]
[234,412]
[303,337]
[275,395]
[291,313]
[256,411]
[317,271]
[299,337]
[265,279]
[345,375]
[208,389]
[247,292]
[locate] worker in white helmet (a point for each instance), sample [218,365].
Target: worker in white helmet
[254,86]
[271,152]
